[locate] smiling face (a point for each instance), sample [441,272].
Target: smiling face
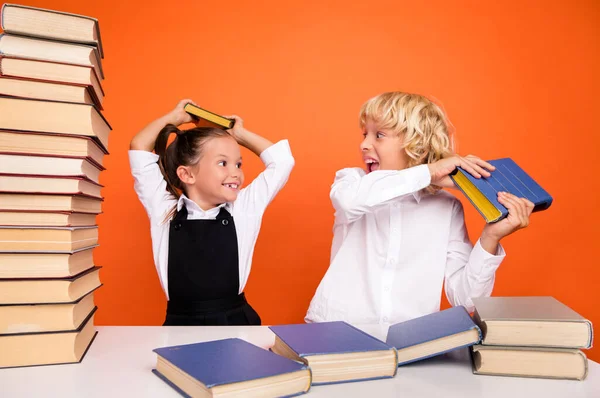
[217,177]
[382,149]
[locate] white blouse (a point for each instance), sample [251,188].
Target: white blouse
[247,210]
[393,249]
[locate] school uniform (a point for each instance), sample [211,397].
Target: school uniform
[203,257]
[393,249]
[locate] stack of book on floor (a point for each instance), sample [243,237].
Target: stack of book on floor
[53,139]
[531,337]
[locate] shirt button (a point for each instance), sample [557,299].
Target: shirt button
[387,289]
[396,205]
[385,318]
[392,261]
[224,222]
[395,230]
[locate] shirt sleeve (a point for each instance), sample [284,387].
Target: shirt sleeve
[470,270]
[353,194]
[150,185]
[279,163]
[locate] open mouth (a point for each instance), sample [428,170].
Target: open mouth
[372,165]
[233,186]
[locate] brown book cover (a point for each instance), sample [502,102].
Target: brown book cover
[43,239]
[22,114]
[57,185]
[54,145]
[46,265]
[49,290]
[47,348]
[52,166]
[53,72]
[51,50]
[40,318]
[51,24]
[50,202]
[61,92]
[45,218]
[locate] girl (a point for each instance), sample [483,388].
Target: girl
[203,226]
[397,237]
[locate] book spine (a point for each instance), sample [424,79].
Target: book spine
[479,333]
[591,334]
[585,364]
[480,325]
[173,386]
[2,16]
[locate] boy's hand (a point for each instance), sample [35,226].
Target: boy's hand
[441,169]
[178,116]
[519,210]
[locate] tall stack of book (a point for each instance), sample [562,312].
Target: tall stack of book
[53,139]
[531,337]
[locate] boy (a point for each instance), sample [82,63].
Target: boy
[397,236]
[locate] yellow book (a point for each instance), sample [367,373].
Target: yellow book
[206,116]
[507,177]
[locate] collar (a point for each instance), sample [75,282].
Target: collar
[193,206]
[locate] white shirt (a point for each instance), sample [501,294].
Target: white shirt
[247,210]
[393,249]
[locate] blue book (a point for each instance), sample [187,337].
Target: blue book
[433,334]
[232,367]
[507,177]
[335,351]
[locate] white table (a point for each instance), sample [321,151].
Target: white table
[120,360]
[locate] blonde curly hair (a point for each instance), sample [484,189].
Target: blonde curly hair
[423,124]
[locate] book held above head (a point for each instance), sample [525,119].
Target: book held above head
[206,118]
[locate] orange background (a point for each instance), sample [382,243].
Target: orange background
[517,79]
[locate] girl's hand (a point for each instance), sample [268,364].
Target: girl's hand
[145,140]
[238,131]
[178,116]
[441,169]
[247,139]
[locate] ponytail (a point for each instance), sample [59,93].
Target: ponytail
[167,159]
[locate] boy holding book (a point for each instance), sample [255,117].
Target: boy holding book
[397,236]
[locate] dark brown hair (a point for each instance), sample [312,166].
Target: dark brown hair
[185,150]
